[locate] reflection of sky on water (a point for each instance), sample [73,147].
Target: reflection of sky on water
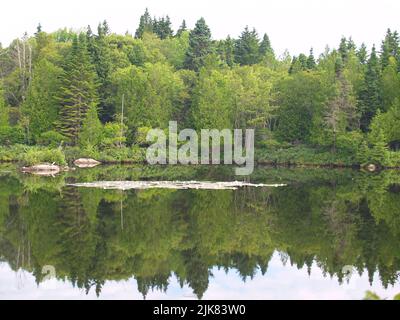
[280,282]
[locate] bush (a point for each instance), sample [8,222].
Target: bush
[35,156]
[52,139]
[112,135]
[13,153]
[11,135]
[141,135]
[349,142]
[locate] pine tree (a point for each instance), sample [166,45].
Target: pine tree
[162,28]
[311,64]
[390,48]
[145,24]
[228,51]
[362,54]
[370,96]
[181,29]
[78,90]
[199,45]
[265,46]
[247,48]
[100,56]
[343,49]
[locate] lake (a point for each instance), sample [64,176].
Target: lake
[302,234]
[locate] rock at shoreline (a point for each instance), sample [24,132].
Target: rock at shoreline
[44,169]
[86,163]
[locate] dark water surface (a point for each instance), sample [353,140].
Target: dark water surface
[327,234]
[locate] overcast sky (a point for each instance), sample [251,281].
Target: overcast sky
[295,25]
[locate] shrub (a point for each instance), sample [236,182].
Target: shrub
[11,135]
[34,156]
[52,139]
[349,142]
[141,135]
[112,135]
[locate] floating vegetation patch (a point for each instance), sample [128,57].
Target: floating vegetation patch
[179,185]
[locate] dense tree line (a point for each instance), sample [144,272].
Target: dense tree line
[56,87]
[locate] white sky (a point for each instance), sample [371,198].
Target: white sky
[295,25]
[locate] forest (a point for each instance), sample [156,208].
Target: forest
[94,93]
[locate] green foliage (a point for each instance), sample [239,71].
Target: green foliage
[51,139]
[141,135]
[370,95]
[78,90]
[40,106]
[3,109]
[11,135]
[302,98]
[34,156]
[113,135]
[92,129]
[199,45]
[153,94]
[319,103]
[247,47]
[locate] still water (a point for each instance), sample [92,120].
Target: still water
[318,234]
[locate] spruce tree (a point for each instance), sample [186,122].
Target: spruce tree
[145,24]
[199,45]
[181,29]
[162,28]
[78,90]
[265,46]
[229,51]
[100,56]
[343,49]
[362,54]
[311,64]
[247,48]
[370,97]
[390,48]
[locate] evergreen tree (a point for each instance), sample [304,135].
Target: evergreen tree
[91,133]
[181,29]
[311,64]
[265,46]
[247,48]
[226,50]
[351,46]
[100,56]
[362,54]
[370,95]
[145,24]
[299,63]
[78,90]
[162,28]
[390,84]
[390,48]
[199,45]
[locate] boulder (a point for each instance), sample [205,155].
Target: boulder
[44,169]
[86,163]
[371,167]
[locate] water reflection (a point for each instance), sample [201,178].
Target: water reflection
[321,222]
